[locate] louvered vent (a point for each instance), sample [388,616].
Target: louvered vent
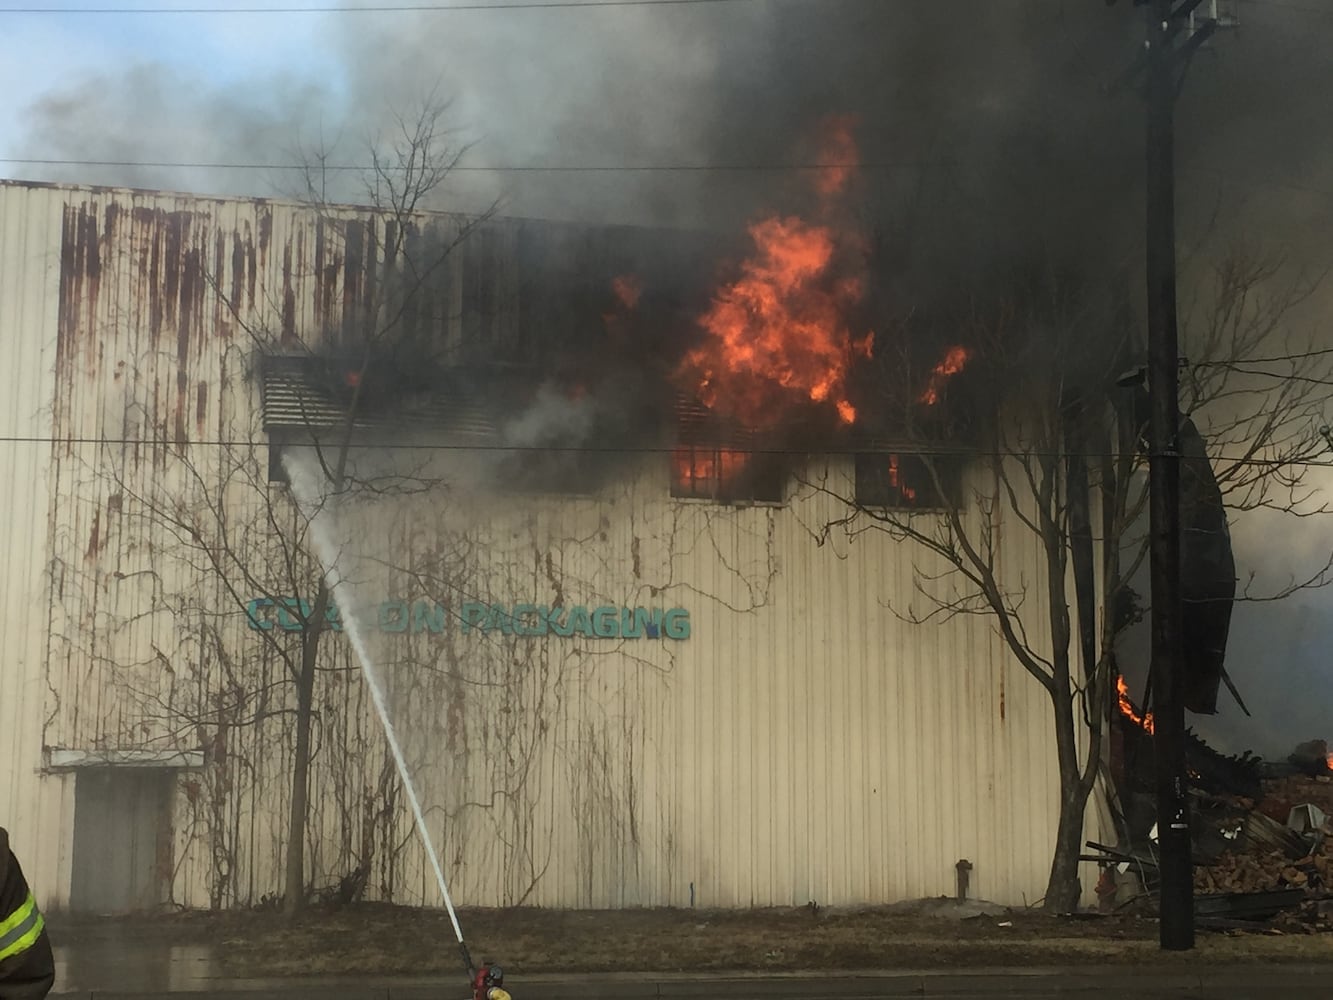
[293,398]
[312,394]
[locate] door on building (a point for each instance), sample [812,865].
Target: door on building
[122,839]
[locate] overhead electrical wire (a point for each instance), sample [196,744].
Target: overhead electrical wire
[498,168]
[583,168]
[475,6]
[400,8]
[1283,376]
[1244,460]
[1272,360]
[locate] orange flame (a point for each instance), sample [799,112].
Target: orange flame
[779,324]
[703,470]
[1127,709]
[779,331]
[908,493]
[955,359]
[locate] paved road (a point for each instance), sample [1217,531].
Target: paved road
[1250,983]
[119,970]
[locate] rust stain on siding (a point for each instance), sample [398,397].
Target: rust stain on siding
[169,289]
[189,312]
[201,406]
[110,216]
[185,276]
[327,266]
[238,271]
[94,537]
[265,233]
[354,255]
[288,299]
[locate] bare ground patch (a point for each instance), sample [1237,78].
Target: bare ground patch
[378,939]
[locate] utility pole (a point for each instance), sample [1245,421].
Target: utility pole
[1167,63]
[1166,59]
[1175,864]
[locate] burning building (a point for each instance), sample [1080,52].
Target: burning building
[636,650]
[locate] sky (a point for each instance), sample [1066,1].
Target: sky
[525,86]
[45,54]
[737,81]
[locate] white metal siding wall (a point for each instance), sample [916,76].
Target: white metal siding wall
[804,743]
[29,277]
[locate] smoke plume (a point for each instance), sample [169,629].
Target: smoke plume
[987,135]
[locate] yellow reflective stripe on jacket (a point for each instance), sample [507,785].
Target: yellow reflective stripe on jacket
[19,930]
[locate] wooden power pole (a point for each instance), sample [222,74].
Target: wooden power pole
[1176,30]
[1173,38]
[1175,864]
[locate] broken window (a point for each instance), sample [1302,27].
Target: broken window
[726,475]
[905,481]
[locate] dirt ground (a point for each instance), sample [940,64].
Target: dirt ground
[377,939]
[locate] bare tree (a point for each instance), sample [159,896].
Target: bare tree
[226,520]
[1044,425]
[406,171]
[328,353]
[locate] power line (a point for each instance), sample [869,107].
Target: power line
[832,452]
[411,8]
[1284,376]
[519,5]
[1272,360]
[594,168]
[497,168]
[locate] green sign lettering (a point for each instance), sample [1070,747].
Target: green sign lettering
[398,616]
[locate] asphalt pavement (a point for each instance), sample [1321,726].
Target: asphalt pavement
[1246,983]
[118,968]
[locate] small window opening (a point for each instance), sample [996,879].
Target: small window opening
[726,475]
[901,481]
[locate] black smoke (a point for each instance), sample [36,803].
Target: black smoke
[990,140]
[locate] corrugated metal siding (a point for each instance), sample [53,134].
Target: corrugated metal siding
[29,278]
[804,743]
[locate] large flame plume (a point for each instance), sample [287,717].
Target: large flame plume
[779,332]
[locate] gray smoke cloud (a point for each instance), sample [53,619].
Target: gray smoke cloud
[996,109]
[150,114]
[986,131]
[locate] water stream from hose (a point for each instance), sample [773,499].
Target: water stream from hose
[304,472]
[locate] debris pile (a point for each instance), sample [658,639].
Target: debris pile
[1280,860]
[1259,867]
[1262,835]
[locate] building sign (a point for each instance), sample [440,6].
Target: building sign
[606,622]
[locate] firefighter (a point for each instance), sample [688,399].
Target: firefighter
[488,984]
[27,970]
